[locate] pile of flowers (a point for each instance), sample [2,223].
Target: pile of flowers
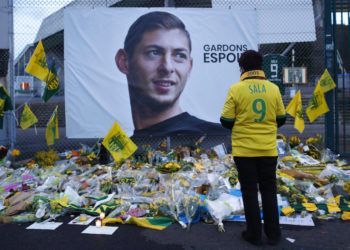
[157,187]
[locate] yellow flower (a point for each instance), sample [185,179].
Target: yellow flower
[68,172]
[294,141]
[31,164]
[289,158]
[198,166]
[347,187]
[91,156]
[282,137]
[15,152]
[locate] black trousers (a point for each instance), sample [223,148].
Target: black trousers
[259,173]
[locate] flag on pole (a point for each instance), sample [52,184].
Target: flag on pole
[28,118]
[326,82]
[5,104]
[52,83]
[118,143]
[317,105]
[51,132]
[295,109]
[37,65]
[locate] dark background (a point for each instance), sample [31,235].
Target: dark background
[332,234]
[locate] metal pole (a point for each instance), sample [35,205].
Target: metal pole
[11,119]
[333,95]
[343,87]
[290,46]
[168,142]
[330,62]
[169,3]
[294,86]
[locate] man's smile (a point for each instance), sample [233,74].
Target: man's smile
[164,83]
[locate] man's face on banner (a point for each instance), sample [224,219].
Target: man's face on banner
[159,67]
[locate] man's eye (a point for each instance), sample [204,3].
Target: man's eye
[181,55]
[153,53]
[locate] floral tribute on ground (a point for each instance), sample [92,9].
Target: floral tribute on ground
[156,188]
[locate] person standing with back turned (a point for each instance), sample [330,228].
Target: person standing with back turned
[253,110]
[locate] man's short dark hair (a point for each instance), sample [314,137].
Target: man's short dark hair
[250,60]
[150,22]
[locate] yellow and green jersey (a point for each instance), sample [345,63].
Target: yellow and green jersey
[254,105]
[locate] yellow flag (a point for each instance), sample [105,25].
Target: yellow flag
[51,132]
[333,208]
[37,65]
[52,83]
[118,143]
[295,109]
[317,105]
[311,207]
[326,82]
[5,104]
[156,223]
[345,215]
[28,118]
[288,211]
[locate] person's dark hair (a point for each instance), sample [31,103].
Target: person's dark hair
[150,22]
[250,60]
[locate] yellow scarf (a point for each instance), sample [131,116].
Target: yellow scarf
[252,73]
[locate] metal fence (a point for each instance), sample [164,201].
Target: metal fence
[337,54]
[29,17]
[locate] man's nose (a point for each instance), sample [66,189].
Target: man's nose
[166,65]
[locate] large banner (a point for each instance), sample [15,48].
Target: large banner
[141,66]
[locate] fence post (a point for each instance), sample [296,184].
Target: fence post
[169,3]
[11,128]
[168,141]
[330,62]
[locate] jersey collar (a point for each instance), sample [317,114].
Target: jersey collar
[253,74]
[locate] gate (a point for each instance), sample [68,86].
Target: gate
[337,61]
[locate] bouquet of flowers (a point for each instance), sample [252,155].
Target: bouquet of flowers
[46,159]
[190,204]
[168,167]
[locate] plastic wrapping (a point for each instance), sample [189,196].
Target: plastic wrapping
[224,206]
[73,197]
[52,182]
[331,170]
[304,159]
[119,210]
[190,204]
[328,156]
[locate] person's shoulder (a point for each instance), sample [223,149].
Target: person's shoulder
[271,84]
[276,89]
[237,84]
[234,86]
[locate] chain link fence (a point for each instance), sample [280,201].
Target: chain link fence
[32,17]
